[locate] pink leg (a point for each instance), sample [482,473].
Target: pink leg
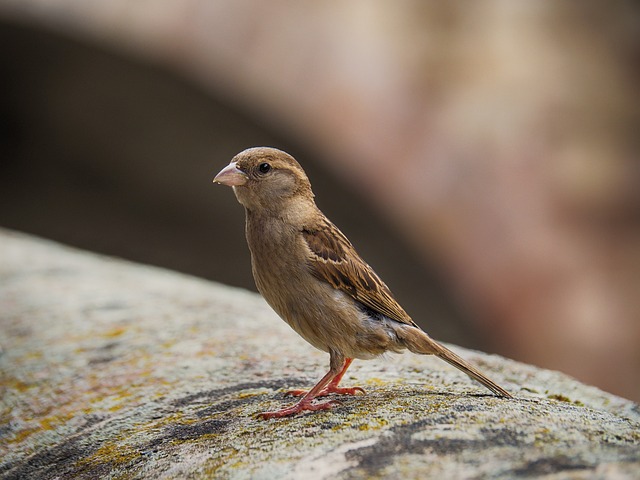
[305,401]
[332,387]
[328,384]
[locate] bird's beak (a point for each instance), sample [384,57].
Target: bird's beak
[231,176]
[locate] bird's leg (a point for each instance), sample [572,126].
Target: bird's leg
[332,387]
[337,366]
[305,401]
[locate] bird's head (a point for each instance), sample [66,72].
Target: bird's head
[265,178]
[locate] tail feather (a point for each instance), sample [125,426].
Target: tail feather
[418,341]
[453,359]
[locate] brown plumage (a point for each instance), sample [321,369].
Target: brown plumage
[311,275]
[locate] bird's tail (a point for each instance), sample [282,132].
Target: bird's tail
[418,341]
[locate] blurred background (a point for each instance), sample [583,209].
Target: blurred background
[483,157]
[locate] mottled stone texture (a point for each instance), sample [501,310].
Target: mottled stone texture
[115,370]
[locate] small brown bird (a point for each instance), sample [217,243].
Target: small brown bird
[311,275]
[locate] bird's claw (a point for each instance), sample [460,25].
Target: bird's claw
[297,408]
[329,391]
[296,392]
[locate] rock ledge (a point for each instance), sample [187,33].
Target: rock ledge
[115,370]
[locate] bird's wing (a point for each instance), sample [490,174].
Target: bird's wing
[334,260]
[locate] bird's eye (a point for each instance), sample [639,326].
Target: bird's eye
[264,168]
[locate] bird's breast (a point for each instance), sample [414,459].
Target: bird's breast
[328,318]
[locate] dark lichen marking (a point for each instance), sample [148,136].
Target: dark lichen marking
[83,456]
[184,433]
[58,461]
[586,460]
[68,460]
[196,430]
[219,392]
[549,465]
[216,406]
[331,424]
[401,440]
[5,431]
[226,406]
[504,437]
[465,407]
[101,359]
[379,455]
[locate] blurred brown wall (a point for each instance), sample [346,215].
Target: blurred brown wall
[499,139]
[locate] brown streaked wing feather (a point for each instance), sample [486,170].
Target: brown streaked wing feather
[335,261]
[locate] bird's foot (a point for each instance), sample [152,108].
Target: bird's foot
[297,408]
[330,390]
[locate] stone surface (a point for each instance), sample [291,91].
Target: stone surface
[115,370]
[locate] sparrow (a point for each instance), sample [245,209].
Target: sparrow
[311,275]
